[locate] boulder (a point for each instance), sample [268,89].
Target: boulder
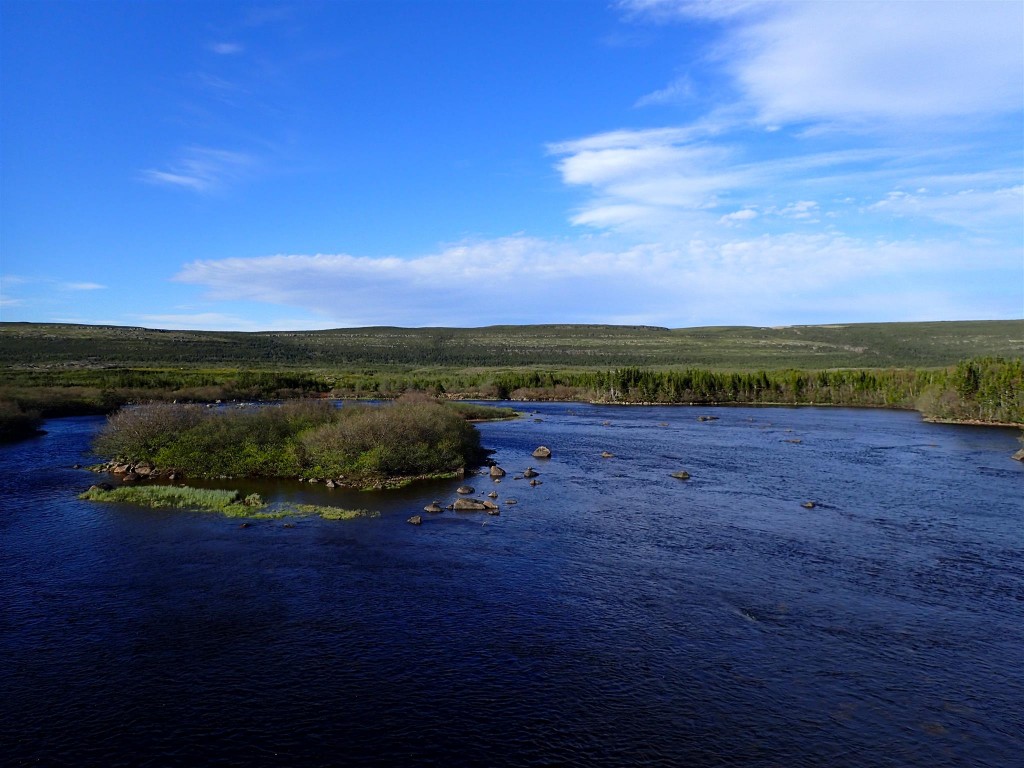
[542,452]
[489,505]
[607,455]
[131,477]
[492,495]
[530,472]
[464,489]
[415,520]
[808,505]
[329,483]
[143,470]
[434,508]
[468,505]
[496,471]
[120,469]
[1019,455]
[682,474]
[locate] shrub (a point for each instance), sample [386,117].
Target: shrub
[16,423]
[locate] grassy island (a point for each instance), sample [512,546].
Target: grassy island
[356,446]
[229,503]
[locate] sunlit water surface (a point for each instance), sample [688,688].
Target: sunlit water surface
[614,616]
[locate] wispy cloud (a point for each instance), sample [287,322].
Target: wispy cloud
[222,321]
[678,91]
[225,48]
[82,286]
[202,169]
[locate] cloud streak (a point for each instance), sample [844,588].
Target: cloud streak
[202,169]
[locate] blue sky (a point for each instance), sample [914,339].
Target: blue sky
[250,166]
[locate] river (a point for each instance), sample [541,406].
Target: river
[614,616]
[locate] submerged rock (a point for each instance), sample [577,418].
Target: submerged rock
[510,502]
[707,418]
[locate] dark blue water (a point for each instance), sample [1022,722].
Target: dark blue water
[614,616]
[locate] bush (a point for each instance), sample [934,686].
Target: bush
[16,423]
[413,436]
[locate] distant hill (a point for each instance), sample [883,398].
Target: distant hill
[861,345]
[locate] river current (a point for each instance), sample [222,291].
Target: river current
[614,616]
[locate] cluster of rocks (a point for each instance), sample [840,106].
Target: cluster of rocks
[489,504]
[133,473]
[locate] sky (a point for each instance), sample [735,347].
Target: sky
[289,166]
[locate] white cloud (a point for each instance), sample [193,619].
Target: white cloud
[745,214]
[202,169]
[678,91]
[82,286]
[865,63]
[979,210]
[220,321]
[520,279]
[225,48]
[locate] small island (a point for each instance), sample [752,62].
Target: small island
[359,446]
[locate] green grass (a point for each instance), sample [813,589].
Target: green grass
[381,350]
[228,503]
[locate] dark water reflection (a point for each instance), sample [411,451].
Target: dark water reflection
[614,616]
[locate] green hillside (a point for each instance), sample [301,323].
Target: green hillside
[864,345]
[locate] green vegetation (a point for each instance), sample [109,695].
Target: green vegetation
[360,444]
[16,423]
[947,370]
[403,350]
[229,503]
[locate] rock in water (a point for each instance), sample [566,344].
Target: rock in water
[468,505]
[542,452]
[464,490]
[434,507]
[496,471]
[682,474]
[808,505]
[415,520]
[530,472]
[492,495]
[607,455]
[1019,455]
